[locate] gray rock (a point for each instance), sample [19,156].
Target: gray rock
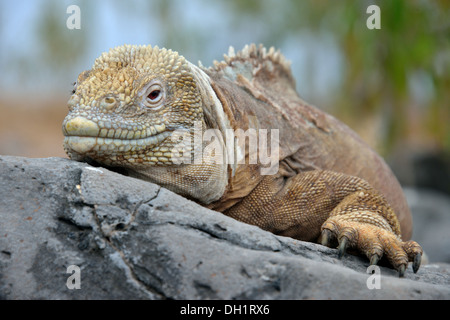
[431,216]
[134,240]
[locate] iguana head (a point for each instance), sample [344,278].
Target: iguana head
[130,111]
[123,111]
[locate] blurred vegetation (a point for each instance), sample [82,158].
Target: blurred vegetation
[60,48]
[42,49]
[398,76]
[392,73]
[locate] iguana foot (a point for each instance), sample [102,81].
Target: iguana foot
[373,241]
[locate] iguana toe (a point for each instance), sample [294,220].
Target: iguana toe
[372,241]
[414,252]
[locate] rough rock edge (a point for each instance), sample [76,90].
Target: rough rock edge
[154,244]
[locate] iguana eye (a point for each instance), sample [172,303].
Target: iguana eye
[153,95]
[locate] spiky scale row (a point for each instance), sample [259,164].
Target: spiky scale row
[257,53]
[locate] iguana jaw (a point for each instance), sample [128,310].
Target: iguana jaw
[85,139]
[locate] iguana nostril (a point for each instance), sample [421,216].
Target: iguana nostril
[108,103]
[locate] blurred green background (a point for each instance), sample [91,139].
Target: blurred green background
[390,85]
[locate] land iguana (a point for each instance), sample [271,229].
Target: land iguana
[329,186]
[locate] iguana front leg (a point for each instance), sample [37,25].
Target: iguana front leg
[328,206]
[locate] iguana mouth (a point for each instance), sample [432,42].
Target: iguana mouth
[82,144]
[83,136]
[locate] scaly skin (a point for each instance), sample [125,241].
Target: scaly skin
[141,108]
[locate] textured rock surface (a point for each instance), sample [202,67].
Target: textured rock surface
[135,240]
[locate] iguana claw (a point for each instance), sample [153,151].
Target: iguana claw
[343,244]
[416,262]
[326,236]
[374,259]
[401,271]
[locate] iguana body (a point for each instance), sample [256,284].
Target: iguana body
[329,184]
